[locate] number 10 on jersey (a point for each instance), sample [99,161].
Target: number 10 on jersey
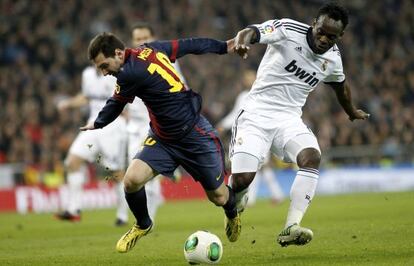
[176,85]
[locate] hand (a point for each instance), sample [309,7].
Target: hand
[230,45]
[242,41]
[359,114]
[242,49]
[62,105]
[87,127]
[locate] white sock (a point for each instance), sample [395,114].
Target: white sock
[122,205]
[301,194]
[154,196]
[273,185]
[76,181]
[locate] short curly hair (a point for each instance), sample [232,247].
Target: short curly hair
[334,11]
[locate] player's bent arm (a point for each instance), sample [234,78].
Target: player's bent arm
[247,36]
[343,94]
[244,38]
[112,109]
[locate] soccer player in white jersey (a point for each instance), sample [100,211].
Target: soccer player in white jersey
[138,122]
[297,59]
[106,147]
[266,172]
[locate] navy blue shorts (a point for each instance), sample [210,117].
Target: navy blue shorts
[200,153]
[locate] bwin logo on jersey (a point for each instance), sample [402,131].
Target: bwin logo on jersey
[302,74]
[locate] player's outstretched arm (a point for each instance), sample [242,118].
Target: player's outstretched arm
[343,93]
[73,102]
[179,48]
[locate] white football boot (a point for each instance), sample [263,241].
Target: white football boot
[294,235]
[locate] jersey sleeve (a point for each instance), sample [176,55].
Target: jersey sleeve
[109,112]
[271,31]
[178,48]
[124,93]
[125,88]
[337,75]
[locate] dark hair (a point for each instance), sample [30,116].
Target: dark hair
[334,11]
[143,25]
[106,43]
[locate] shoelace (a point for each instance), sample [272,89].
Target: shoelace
[286,231]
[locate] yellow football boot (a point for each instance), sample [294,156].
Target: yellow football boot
[232,227]
[128,241]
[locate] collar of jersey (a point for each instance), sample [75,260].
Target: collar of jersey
[127,54]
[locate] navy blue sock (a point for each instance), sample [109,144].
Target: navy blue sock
[230,207]
[137,202]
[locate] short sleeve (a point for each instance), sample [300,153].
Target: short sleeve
[337,75]
[269,32]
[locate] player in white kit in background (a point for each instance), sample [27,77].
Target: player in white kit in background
[106,147]
[138,122]
[297,58]
[266,172]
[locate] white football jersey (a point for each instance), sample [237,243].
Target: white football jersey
[289,69]
[228,120]
[97,88]
[138,117]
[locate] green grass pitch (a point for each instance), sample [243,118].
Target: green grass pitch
[359,229]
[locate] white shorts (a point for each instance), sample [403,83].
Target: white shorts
[285,135]
[136,140]
[106,146]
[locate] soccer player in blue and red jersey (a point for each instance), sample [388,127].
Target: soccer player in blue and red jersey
[178,134]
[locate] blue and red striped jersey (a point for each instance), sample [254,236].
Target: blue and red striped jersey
[147,73]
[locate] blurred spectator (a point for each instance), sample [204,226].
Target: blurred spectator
[43,51]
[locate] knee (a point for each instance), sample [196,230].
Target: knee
[241,181]
[219,200]
[310,158]
[132,182]
[73,163]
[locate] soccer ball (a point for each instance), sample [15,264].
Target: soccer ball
[203,247]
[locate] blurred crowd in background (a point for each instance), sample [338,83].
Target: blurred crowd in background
[43,50]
